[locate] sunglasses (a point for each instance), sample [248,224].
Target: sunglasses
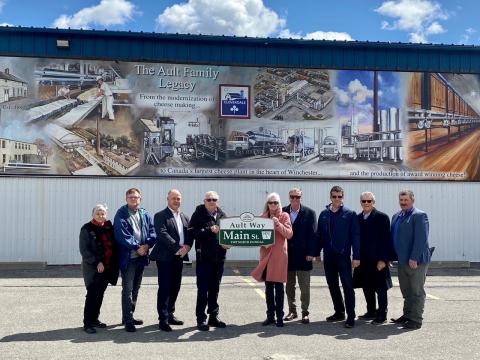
[273,203]
[366,201]
[210,200]
[295,197]
[336,196]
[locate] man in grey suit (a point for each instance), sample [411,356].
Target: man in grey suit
[410,240]
[171,248]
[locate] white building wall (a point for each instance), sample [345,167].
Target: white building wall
[41,217]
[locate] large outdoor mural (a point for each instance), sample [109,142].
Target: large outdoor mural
[101,118]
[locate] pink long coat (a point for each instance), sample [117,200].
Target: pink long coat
[275,257]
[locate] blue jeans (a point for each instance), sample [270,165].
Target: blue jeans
[131,281]
[337,265]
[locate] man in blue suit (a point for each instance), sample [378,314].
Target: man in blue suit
[171,248]
[410,240]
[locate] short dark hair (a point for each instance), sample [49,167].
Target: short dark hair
[133,190]
[336,188]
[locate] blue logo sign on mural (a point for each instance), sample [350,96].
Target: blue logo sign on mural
[235,101]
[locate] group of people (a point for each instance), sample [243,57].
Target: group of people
[366,242]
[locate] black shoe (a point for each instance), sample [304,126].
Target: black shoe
[368,316]
[135,322]
[164,326]
[99,324]
[336,317]
[202,326]
[412,325]
[350,323]
[401,320]
[279,323]
[305,319]
[216,322]
[174,321]
[268,321]
[89,329]
[378,321]
[129,327]
[291,315]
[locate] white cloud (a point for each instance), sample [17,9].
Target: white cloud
[2,4]
[6,24]
[316,35]
[341,97]
[359,91]
[419,17]
[106,13]
[221,17]
[465,38]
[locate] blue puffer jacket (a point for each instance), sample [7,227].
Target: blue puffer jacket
[124,234]
[343,238]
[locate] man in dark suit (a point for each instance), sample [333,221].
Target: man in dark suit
[171,248]
[410,239]
[301,250]
[373,275]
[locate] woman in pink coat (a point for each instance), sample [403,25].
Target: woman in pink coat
[273,265]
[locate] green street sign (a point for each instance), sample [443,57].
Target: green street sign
[246,230]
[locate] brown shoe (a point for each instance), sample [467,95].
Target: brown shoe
[291,315]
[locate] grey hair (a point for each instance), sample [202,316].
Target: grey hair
[272,196]
[98,207]
[369,193]
[296,190]
[407,192]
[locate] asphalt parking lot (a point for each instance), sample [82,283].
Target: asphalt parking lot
[42,318]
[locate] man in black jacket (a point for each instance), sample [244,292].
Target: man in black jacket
[373,275]
[339,237]
[301,250]
[171,248]
[203,229]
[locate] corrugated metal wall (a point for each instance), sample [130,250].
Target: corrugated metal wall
[41,217]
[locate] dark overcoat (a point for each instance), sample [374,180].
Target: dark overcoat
[304,240]
[93,252]
[375,245]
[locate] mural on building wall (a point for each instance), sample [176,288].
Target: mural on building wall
[98,118]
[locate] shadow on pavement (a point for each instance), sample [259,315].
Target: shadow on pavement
[151,333]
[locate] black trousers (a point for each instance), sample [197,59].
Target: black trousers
[94,299]
[169,282]
[369,293]
[337,265]
[209,276]
[274,295]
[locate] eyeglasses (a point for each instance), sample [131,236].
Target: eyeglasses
[366,201]
[295,197]
[336,196]
[210,200]
[273,203]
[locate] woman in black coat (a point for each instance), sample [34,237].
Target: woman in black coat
[373,274]
[99,264]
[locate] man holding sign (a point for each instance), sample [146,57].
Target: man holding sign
[203,229]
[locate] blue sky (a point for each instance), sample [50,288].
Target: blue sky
[421,21]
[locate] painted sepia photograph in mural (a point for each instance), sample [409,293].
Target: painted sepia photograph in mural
[109,118]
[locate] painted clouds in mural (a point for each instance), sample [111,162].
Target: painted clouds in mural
[80,117]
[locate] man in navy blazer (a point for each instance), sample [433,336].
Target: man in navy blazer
[171,248]
[301,251]
[410,240]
